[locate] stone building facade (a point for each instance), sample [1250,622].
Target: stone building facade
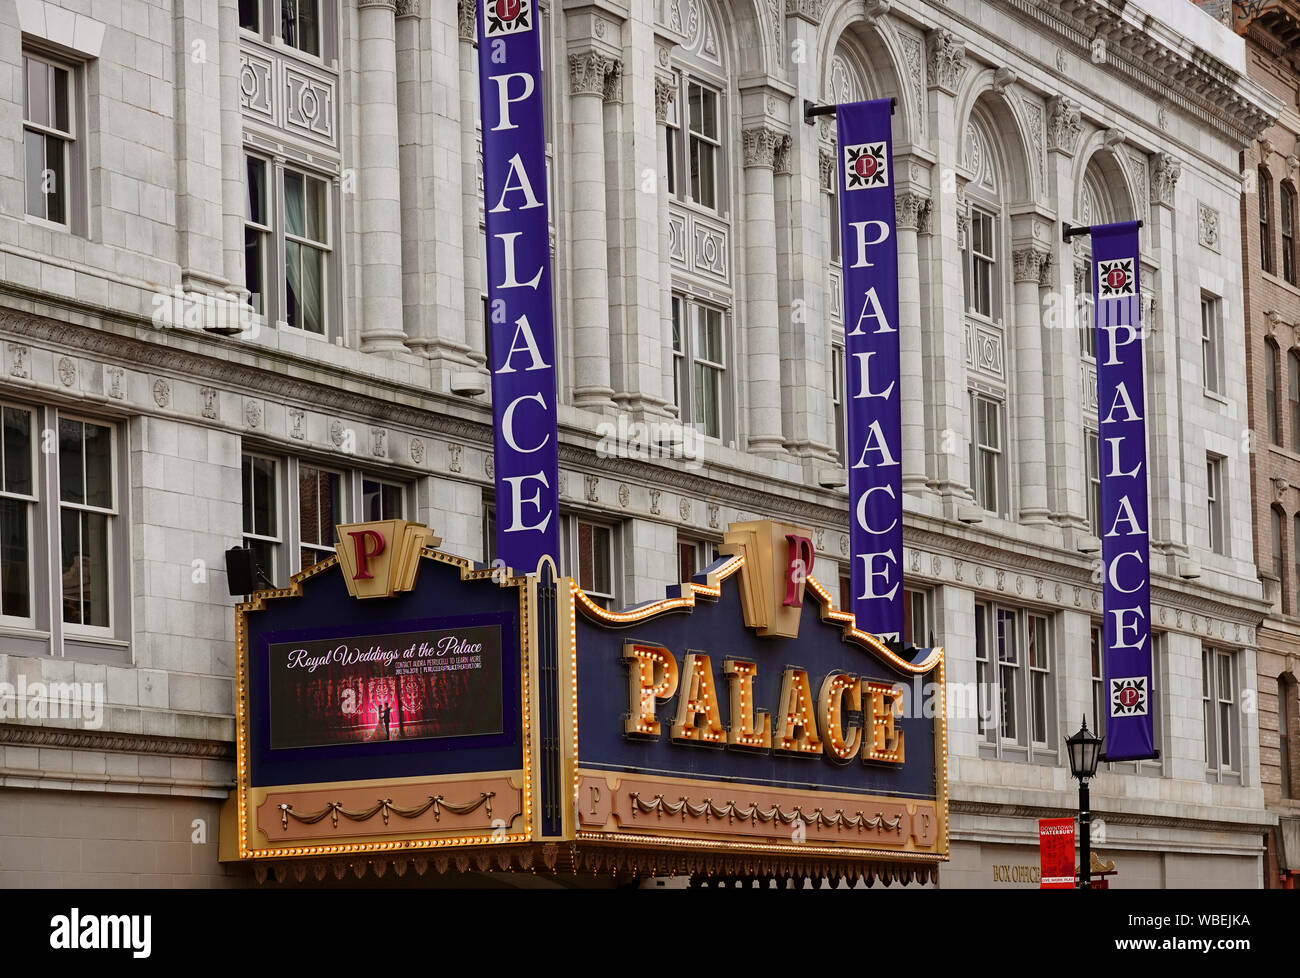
[1270,222]
[241,300]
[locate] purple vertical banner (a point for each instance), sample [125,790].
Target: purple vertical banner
[520,323]
[872,365]
[1122,445]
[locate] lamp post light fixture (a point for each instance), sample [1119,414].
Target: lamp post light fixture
[1084,750]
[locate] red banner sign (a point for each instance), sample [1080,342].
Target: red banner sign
[1056,853]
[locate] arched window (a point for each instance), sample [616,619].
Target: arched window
[1288,233]
[1270,393]
[1266,221]
[1293,394]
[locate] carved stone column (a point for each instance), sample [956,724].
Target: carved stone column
[909,207]
[1028,265]
[470,194]
[197,104]
[1164,374]
[947,399]
[762,310]
[378,179]
[589,76]
[232,151]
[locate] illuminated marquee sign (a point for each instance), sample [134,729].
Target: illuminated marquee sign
[754,714]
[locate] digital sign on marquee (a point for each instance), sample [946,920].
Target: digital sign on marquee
[453,707]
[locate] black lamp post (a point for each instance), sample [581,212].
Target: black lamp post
[1084,749]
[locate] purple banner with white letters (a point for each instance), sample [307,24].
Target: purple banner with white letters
[1126,583]
[521,347]
[872,365]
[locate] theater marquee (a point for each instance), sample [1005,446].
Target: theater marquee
[400,705]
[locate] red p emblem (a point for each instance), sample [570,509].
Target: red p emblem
[363,541]
[799,565]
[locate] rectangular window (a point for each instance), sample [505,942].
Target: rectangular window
[1288,234]
[692,557]
[1008,670]
[833,232]
[300,25]
[306,250]
[986,453]
[381,500]
[257,230]
[1099,704]
[673,128]
[86,511]
[1219,710]
[1266,222]
[983,263]
[261,523]
[710,365]
[705,143]
[679,353]
[250,15]
[1092,450]
[838,401]
[1039,679]
[49,137]
[17,499]
[318,512]
[1211,344]
[1016,690]
[1271,367]
[916,618]
[1214,501]
[594,560]
[1284,734]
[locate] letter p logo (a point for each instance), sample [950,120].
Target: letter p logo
[799,565]
[368,543]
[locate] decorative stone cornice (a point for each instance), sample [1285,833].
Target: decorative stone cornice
[761,145]
[589,73]
[467,11]
[1165,171]
[32,735]
[809,10]
[1063,127]
[907,210]
[664,92]
[1143,53]
[1028,264]
[945,60]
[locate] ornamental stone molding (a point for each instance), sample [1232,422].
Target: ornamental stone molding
[907,210]
[31,735]
[761,146]
[408,8]
[589,73]
[826,168]
[945,60]
[467,11]
[873,10]
[664,92]
[1165,171]
[1064,128]
[1003,78]
[1045,273]
[923,222]
[389,4]
[781,157]
[809,10]
[1207,220]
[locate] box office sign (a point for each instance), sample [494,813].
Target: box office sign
[749,712]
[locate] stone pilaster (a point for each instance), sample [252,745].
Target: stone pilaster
[378,180]
[762,319]
[908,209]
[232,151]
[1031,447]
[471,196]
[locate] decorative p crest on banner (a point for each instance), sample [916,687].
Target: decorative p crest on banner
[382,558]
[1122,444]
[872,366]
[520,327]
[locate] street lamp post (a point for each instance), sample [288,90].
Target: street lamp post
[1084,749]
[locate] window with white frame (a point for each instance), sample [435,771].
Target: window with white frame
[916,617]
[260,502]
[87,507]
[1212,343]
[258,230]
[700,354]
[1014,675]
[1214,501]
[591,558]
[838,402]
[704,128]
[17,502]
[50,138]
[1101,703]
[1092,455]
[306,26]
[306,250]
[988,460]
[982,264]
[382,500]
[318,512]
[1221,714]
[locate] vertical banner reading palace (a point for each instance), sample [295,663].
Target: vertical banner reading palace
[872,365]
[521,347]
[1126,585]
